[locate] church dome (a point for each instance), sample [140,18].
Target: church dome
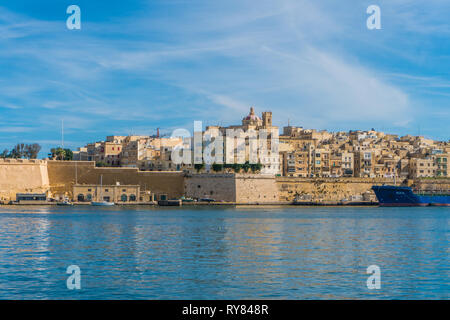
[252,116]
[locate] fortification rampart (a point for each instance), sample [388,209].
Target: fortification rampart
[64,174]
[251,188]
[230,187]
[215,186]
[56,178]
[328,189]
[430,184]
[21,175]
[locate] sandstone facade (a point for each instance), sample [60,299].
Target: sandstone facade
[57,179]
[328,189]
[230,187]
[22,176]
[64,174]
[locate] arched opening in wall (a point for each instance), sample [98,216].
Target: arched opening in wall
[124,198]
[80,197]
[132,197]
[89,197]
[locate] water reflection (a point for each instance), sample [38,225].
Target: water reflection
[223,253]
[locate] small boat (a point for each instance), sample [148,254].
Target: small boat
[171,202]
[184,199]
[102,203]
[64,203]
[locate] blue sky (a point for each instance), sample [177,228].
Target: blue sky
[138,65]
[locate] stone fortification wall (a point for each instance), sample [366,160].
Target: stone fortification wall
[430,184]
[251,188]
[230,187]
[21,175]
[327,189]
[62,176]
[58,177]
[215,186]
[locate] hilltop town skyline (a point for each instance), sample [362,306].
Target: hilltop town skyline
[299,152]
[133,67]
[161,131]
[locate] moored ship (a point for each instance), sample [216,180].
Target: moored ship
[395,196]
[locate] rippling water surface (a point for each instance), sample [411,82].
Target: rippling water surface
[224,252]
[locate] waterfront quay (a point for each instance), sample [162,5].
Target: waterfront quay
[79,182]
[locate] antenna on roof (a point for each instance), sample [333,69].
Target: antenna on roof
[62,133]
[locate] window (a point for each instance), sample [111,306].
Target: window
[106,190]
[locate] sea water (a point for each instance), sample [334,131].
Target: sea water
[221,252]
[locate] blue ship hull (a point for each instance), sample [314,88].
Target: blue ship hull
[393,196]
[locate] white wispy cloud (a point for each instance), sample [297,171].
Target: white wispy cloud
[14,129]
[303,60]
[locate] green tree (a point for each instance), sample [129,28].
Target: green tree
[68,154]
[217,167]
[237,167]
[5,154]
[199,166]
[18,151]
[61,154]
[32,150]
[100,164]
[22,150]
[246,166]
[58,153]
[255,167]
